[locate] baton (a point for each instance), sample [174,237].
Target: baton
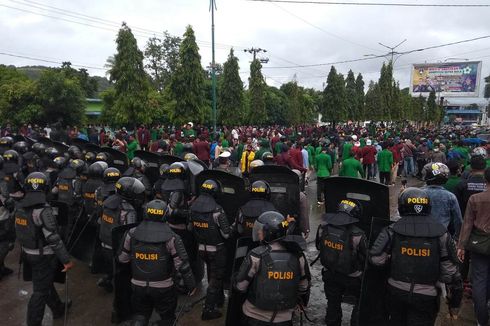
[65,322]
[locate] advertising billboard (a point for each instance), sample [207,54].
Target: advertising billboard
[451,79]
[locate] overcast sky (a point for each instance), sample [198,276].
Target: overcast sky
[292,34]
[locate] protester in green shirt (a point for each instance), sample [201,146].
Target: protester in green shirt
[385,163]
[178,149]
[454,175]
[351,167]
[132,147]
[323,168]
[347,148]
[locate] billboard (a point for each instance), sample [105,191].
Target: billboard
[451,79]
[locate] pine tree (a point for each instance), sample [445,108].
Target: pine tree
[351,97]
[334,98]
[360,98]
[187,86]
[257,86]
[230,95]
[131,83]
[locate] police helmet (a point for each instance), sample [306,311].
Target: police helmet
[351,207]
[131,189]
[96,170]
[256,163]
[90,157]
[39,149]
[138,164]
[479,151]
[11,156]
[52,152]
[414,201]
[435,173]
[111,175]
[176,170]
[6,141]
[272,225]
[74,152]
[60,162]
[36,182]
[190,157]
[163,170]
[267,158]
[21,147]
[211,187]
[77,165]
[260,189]
[156,210]
[187,148]
[105,157]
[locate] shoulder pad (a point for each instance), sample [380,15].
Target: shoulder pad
[419,226]
[260,251]
[204,204]
[127,206]
[67,173]
[113,202]
[153,232]
[356,230]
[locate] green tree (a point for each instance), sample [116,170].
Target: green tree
[385,83]
[334,98]
[351,97]
[61,98]
[131,82]
[187,86]
[360,98]
[162,58]
[293,106]
[276,103]
[230,92]
[256,88]
[88,84]
[432,112]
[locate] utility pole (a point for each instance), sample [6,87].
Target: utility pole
[254,52]
[212,8]
[392,48]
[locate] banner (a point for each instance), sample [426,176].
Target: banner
[452,79]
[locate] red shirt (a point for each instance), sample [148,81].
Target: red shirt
[368,154]
[201,149]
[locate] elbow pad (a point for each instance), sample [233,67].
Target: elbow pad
[185,269]
[224,224]
[381,243]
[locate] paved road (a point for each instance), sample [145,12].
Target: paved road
[92,306]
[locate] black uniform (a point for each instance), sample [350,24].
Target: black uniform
[343,250]
[36,231]
[68,191]
[211,227]
[7,231]
[250,212]
[155,252]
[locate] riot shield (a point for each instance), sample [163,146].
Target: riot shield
[82,245]
[61,147]
[45,141]
[375,200]
[194,168]
[169,159]
[18,138]
[284,185]
[119,159]
[153,162]
[80,143]
[91,148]
[122,277]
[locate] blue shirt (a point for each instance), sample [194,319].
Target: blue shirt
[445,208]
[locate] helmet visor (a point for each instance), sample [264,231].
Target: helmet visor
[258,232]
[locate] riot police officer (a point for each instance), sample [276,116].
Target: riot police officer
[422,253]
[7,231]
[343,250]
[108,187]
[137,170]
[154,252]
[211,227]
[36,230]
[13,176]
[260,194]
[75,153]
[94,182]
[163,175]
[118,209]
[5,144]
[275,278]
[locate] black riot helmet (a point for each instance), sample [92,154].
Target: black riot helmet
[36,182]
[190,157]
[211,187]
[105,157]
[96,170]
[77,165]
[187,148]
[414,201]
[138,164]
[176,171]
[1,162]
[21,147]
[260,189]
[272,225]
[131,189]
[90,157]
[156,210]
[74,152]
[111,175]
[6,141]
[351,207]
[39,149]
[435,173]
[60,162]
[163,170]
[11,156]
[52,152]
[268,158]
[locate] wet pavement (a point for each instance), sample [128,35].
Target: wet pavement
[92,306]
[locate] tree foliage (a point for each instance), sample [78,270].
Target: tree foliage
[256,88]
[230,92]
[351,97]
[334,98]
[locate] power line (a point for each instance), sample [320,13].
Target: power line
[47,61]
[382,56]
[385,4]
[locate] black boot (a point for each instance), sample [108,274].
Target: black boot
[210,313]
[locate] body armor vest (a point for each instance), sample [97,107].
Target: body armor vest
[13,185]
[251,211]
[178,215]
[205,229]
[150,259]
[336,249]
[29,234]
[111,218]
[65,191]
[88,194]
[415,255]
[275,286]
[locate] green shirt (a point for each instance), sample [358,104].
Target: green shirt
[311,154]
[346,151]
[323,165]
[351,168]
[132,147]
[385,160]
[189,132]
[225,143]
[178,149]
[239,151]
[154,134]
[452,182]
[278,147]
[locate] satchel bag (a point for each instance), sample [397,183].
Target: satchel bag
[479,242]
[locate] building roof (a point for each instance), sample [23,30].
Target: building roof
[463,112]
